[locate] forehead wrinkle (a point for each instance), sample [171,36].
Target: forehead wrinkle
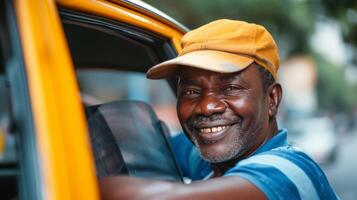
[186,81]
[202,81]
[228,78]
[233,77]
[187,78]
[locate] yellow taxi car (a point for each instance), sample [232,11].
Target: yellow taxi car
[57,56]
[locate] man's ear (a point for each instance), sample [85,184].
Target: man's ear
[274,94]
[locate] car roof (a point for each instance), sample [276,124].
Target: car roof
[147,9]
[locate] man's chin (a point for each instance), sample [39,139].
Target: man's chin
[215,160]
[216,157]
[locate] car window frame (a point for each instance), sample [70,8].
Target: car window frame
[162,46]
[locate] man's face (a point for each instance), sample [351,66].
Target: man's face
[225,115]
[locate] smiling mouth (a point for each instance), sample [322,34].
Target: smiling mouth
[212,129]
[209,135]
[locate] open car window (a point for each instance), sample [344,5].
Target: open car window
[100,86]
[110,60]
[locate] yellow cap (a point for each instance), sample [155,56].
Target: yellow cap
[224,46]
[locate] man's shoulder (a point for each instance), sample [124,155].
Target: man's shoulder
[288,166]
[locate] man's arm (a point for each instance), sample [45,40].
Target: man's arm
[232,187]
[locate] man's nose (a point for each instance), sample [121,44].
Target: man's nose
[210,104]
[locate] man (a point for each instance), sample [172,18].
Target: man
[227,105]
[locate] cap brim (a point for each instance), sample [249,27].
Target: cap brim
[211,60]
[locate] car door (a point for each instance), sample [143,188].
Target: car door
[112,46]
[64,163]
[41,79]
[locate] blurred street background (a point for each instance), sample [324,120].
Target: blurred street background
[318,51]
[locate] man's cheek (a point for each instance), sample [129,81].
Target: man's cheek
[242,105]
[179,109]
[183,111]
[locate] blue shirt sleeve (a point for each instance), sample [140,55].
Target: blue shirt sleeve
[285,174]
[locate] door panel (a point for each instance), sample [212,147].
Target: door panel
[64,152]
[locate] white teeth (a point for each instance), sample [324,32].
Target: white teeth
[213,129]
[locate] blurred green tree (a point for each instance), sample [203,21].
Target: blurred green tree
[334,93]
[345,11]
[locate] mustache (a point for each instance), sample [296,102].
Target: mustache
[200,120]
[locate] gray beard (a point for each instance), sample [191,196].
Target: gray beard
[235,149]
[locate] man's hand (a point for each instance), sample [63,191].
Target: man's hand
[233,187]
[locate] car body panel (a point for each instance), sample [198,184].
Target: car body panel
[64,152]
[116,12]
[145,8]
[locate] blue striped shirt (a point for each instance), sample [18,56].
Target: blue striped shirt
[278,169]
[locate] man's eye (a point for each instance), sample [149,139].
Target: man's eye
[190,92]
[230,88]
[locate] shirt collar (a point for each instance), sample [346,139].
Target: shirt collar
[278,140]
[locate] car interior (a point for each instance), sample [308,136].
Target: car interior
[130,139]
[110,60]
